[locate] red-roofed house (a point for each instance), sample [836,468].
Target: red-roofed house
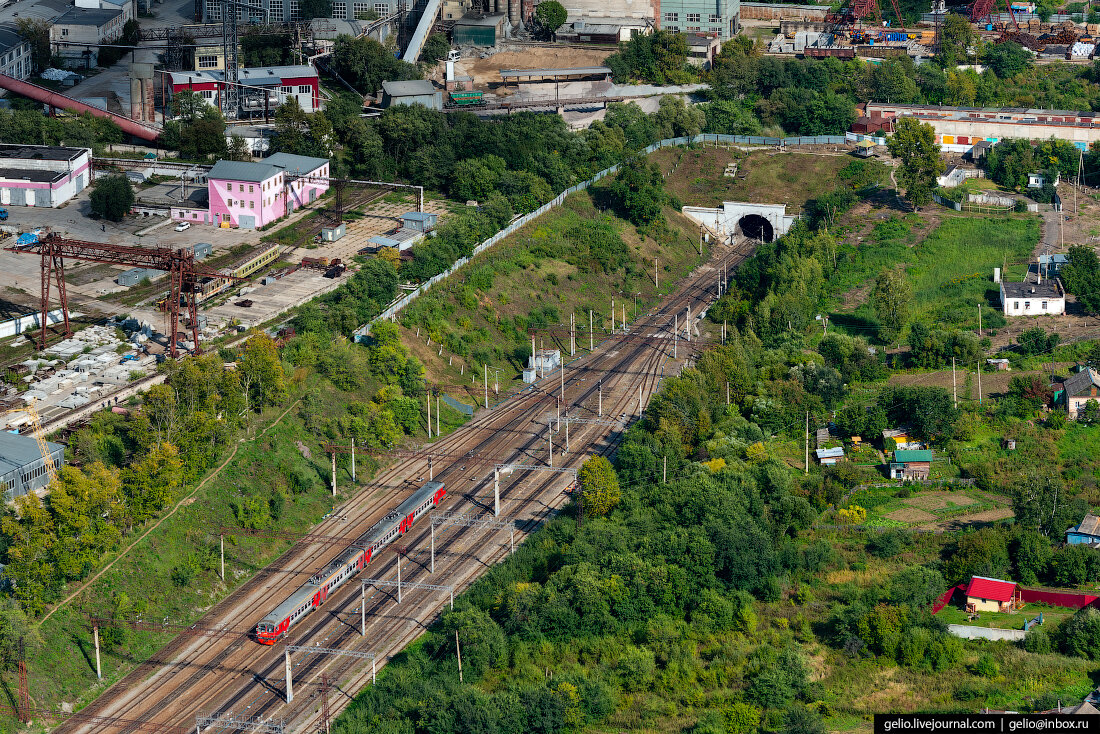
[990,595]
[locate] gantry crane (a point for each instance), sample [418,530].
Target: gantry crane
[179,264]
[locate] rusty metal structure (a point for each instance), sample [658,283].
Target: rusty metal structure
[982,9]
[179,264]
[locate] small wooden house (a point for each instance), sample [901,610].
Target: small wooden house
[909,464]
[990,595]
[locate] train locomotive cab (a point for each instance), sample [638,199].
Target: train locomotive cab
[266,633]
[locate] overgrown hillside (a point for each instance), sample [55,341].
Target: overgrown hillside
[577,257]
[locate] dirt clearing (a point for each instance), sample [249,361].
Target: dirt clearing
[1001,513]
[486,72]
[939,500]
[910,514]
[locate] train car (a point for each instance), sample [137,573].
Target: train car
[466,99]
[354,559]
[835,52]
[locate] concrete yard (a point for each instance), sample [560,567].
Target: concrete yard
[380,217]
[268,301]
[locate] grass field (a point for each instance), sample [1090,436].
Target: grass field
[531,281]
[763,176]
[950,267]
[1052,616]
[886,509]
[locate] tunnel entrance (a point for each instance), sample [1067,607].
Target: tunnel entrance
[756,227]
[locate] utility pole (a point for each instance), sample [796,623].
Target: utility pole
[458,651]
[95,637]
[485,373]
[675,334]
[806,465]
[664,471]
[591,335]
[978,369]
[655,283]
[599,405]
[550,439]
[563,383]
[429,400]
[980,318]
[687,324]
[437,433]
[613,314]
[221,539]
[954,387]
[333,473]
[727,393]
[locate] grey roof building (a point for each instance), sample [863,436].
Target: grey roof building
[263,170]
[22,467]
[410,93]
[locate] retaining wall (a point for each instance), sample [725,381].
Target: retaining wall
[985,633]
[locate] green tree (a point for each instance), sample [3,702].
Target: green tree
[956,36]
[1041,503]
[112,197]
[36,32]
[1081,277]
[300,132]
[599,486]
[365,64]
[550,15]
[891,299]
[639,190]
[914,145]
[801,720]
[262,377]
[435,49]
[1080,634]
[1007,59]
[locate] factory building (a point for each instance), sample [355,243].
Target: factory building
[85,25]
[280,83]
[959,129]
[278,11]
[410,93]
[15,53]
[23,469]
[42,175]
[249,195]
[710,17]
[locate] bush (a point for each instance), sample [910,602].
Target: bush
[987,667]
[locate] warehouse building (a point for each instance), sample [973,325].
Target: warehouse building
[410,93]
[42,175]
[960,129]
[476,29]
[22,467]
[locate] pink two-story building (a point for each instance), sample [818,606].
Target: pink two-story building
[249,195]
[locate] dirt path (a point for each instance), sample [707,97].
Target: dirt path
[182,503]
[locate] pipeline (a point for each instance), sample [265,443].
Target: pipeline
[46,96]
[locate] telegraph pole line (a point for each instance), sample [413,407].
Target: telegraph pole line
[954,387]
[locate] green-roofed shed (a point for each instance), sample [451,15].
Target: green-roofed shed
[911,464]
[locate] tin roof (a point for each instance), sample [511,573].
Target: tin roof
[904,456]
[993,589]
[18,451]
[414,88]
[1090,525]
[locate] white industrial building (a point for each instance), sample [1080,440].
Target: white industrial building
[42,175]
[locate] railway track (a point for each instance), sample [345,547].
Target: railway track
[236,676]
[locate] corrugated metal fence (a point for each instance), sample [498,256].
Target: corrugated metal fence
[703,139]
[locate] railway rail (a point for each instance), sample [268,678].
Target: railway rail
[194,675]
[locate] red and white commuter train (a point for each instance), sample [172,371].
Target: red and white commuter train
[314,592]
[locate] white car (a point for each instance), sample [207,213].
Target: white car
[183,226]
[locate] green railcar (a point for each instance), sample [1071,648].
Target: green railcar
[466,99]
